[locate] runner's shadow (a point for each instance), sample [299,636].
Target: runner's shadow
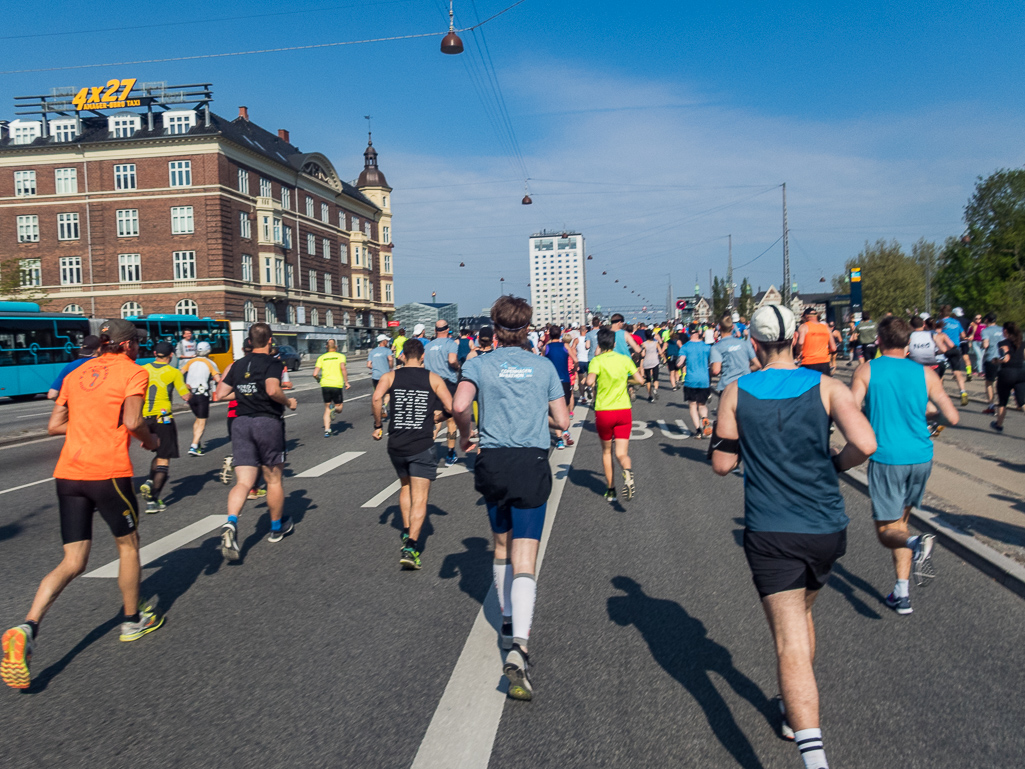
[472,566]
[41,681]
[394,512]
[297,504]
[178,571]
[686,452]
[680,644]
[587,479]
[191,485]
[843,582]
[216,443]
[738,534]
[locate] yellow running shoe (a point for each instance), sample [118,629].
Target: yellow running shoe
[17,646]
[149,620]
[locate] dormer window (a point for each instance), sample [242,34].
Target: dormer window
[179,121]
[25,131]
[64,130]
[123,126]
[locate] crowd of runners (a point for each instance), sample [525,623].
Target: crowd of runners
[507,395]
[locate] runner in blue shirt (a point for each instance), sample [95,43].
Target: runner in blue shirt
[954,331]
[88,350]
[696,382]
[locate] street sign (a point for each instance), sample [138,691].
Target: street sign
[393,324]
[681,304]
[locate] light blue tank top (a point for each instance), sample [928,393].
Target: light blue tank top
[895,405]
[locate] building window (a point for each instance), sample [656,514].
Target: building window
[249,312]
[345,288]
[124,177]
[127,222]
[384,204]
[329,318]
[312,280]
[289,276]
[386,233]
[270,315]
[268,269]
[24,131]
[245,225]
[266,189]
[131,310]
[184,265]
[129,267]
[387,292]
[291,315]
[67,227]
[356,255]
[182,122]
[247,268]
[71,270]
[64,130]
[186,307]
[370,290]
[387,263]
[345,318]
[341,220]
[286,198]
[325,213]
[370,260]
[75,309]
[311,244]
[279,271]
[31,272]
[309,206]
[287,237]
[243,181]
[343,253]
[327,283]
[326,248]
[123,126]
[182,220]
[314,317]
[181,173]
[28,229]
[355,224]
[366,229]
[66,181]
[24,183]
[359,288]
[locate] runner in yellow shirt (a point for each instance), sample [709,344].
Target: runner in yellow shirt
[396,347]
[330,371]
[156,409]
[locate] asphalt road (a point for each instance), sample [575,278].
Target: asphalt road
[649,644]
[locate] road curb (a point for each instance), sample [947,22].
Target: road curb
[999,567]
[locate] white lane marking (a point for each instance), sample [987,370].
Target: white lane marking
[165,545]
[34,416]
[288,416]
[326,467]
[19,444]
[684,432]
[358,397]
[462,731]
[387,493]
[26,485]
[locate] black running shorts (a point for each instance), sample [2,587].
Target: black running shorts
[258,441]
[113,498]
[782,561]
[954,359]
[200,405]
[698,395]
[167,433]
[422,465]
[332,394]
[991,369]
[651,374]
[513,477]
[823,368]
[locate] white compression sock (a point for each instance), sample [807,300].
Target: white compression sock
[503,584]
[524,592]
[809,742]
[901,588]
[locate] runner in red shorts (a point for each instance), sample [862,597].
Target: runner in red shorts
[610,372]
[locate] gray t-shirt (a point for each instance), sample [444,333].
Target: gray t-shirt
[514,388]
[995,334]
[436,358]
[379,365]
[592,337]
[735,355]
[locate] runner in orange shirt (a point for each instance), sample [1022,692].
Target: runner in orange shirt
[815,343]
[99,409]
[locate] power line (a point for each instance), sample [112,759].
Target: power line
[745,264]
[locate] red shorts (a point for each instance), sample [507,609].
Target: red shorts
[614,424]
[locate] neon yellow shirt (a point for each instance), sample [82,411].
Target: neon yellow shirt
[330,365]
[162,377]
[612,369]
[396,346]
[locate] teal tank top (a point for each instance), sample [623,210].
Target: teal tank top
[895,405]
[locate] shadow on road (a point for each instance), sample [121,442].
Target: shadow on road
[680,644]
[696,451]
[845,583]
[42,680]
[178,571]
[297,504]
[394,512]
[472,566]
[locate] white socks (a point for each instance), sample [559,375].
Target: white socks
[809,742]
[523,594]
[900,590]
[503,584]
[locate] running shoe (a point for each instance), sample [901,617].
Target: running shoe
[901,605]
[655,396]
[17,647]
[146,490]
[610,496]
[286,528]
[327,433]
[256,494]
[229,544]
[405,538]
[560,444]
[196,451]
[629,488]
[161,507]
[990,409]
[151,507]
[568,438]
[571,413]
[515,669]
[333,413]
[149,620]
[935,428]
[226,470]
[651,399]
[921,563]
[451,459]
[505,634]
[964,398]
[996,426]
[410,559]
[706,428]
[785,730]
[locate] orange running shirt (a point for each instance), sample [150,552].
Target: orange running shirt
[96,446]
[816,344]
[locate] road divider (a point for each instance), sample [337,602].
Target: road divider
[325,467]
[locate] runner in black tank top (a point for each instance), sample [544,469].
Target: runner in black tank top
[417,400]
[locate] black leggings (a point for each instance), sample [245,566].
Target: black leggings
[1011,379]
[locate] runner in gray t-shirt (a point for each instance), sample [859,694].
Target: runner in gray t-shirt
[731,356]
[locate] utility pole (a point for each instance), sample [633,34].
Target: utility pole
[729,276]
[786,251]
[928,283]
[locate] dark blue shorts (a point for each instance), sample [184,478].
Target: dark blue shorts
[525,524]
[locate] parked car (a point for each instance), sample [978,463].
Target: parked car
[289,356]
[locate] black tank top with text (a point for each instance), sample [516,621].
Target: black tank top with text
[413,403]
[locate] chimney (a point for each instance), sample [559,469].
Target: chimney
[243,112]
[283,135]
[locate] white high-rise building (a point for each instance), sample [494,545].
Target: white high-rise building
[558,284]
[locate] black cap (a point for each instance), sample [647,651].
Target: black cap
[90,344]
[163,349]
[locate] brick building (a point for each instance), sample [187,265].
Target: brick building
[182,211]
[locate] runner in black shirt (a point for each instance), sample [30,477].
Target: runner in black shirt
[257,435]
[418,399]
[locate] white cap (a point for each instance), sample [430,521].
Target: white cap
[958,312]
[203,348]
[924,315]
[773,323]
[418,329]
[736,317]
[679,327]
[383,338]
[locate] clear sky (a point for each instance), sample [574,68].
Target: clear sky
[656,129]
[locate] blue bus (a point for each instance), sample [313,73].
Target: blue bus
[35,346]
[169,328]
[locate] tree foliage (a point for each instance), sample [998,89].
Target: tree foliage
[891,281]
[12,290]
[746,303]
[720,298]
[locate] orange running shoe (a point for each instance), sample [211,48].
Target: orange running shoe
[706,428]
[17,646]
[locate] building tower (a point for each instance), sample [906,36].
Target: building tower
[558,283]
[374,186]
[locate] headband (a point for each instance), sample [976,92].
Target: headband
[507,328]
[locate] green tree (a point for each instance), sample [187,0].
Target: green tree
[891,281]
[720,298]
[746,303]
[11,288]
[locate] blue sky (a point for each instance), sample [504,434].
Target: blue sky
[655,129]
